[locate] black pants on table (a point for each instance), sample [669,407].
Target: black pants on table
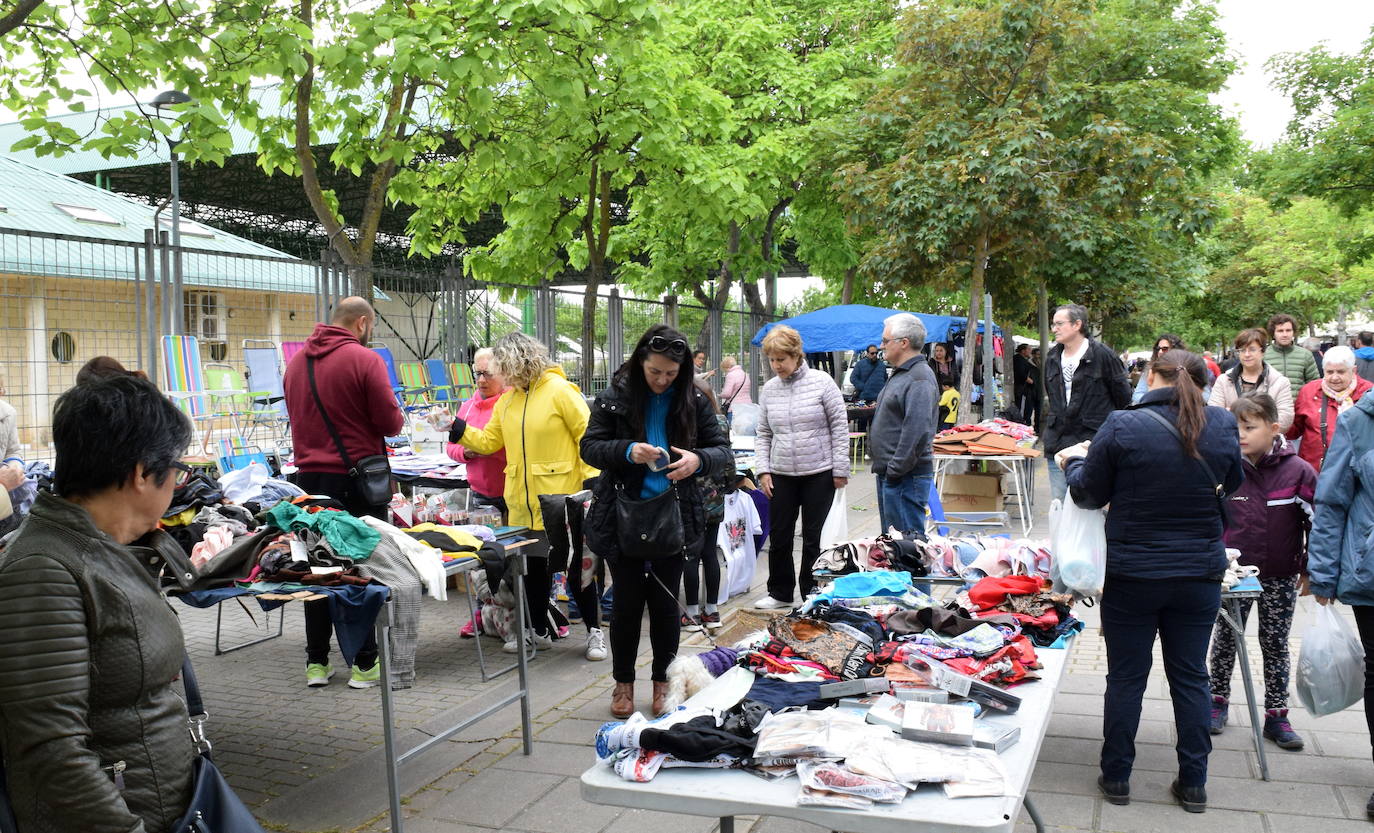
[811,495]
[319,628]
[1181,613]
[637,584]
[705,564]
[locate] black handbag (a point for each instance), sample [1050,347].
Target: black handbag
[372,474]
[214,807]
[649,529]
[7,823]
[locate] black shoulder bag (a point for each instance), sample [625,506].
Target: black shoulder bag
[372,474]
[214,805]
[1217,487]
[649,529]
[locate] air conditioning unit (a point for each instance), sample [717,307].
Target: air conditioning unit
[206,317]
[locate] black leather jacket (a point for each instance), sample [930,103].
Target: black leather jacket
[609,435]
[88,652]
[1099,387]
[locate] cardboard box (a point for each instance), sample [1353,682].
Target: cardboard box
[972,493]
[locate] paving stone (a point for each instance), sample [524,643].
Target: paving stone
[563,810]
[1273,796]
[1338,744]
[1090,727]
[1073,779]
[1058,809]
[552,758]
[1147,817]
[1148,756]
[571,730]
[778,824]
[1354,799]
[429,825]
[1314,769]
[492,798]
[643,821]
[1282,823]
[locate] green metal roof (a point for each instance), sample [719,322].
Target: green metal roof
[36,205]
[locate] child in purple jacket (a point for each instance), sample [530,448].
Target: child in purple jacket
[1270,515]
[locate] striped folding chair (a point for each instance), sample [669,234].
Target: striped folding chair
[290,349]
[416,386]
[185,384]
[402,393]
[464,385]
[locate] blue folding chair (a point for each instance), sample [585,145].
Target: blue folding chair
[442,384]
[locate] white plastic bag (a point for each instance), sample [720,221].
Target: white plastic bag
[245,484]
[1078,544]
[1330,665]
[836,529]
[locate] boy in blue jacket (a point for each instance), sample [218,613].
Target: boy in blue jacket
[1270,515]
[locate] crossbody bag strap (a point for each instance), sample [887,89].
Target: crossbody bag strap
[328,423]
[1325,404]
[1206,467]
[195,706]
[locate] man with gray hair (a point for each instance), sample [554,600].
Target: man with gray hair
[903,427]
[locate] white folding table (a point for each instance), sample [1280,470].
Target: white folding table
[1022,472]
[729,793]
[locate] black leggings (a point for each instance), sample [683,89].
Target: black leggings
[705,563]
[811,496]
[539,584]
[319,627]
[632,588]
[1364,620]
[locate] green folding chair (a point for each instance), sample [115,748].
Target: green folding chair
[464,385]
[415,382]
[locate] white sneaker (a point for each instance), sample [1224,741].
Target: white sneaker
[596,644]
[531,640]
[770,603]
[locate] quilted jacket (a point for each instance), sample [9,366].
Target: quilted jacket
[88,652]
[803,428]
[1227,390]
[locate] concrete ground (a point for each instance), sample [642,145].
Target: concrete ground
[311,759]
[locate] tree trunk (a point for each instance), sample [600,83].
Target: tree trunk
[1042,303]
[847,291]
[975,297]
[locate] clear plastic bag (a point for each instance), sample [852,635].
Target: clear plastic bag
[1078,542]
[1330,673]
[831,777]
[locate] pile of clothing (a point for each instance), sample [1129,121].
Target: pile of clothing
[1015,430]
[767,711]
[970,557]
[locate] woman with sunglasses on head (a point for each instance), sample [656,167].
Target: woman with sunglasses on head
[539,422]
[802,448]
[92,726]
[651,431]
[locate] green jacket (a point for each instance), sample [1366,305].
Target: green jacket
[88,652]
[1296,363]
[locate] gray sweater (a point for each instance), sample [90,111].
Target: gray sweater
[803,428]
[904,421]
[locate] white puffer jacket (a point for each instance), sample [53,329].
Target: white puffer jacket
[803,428]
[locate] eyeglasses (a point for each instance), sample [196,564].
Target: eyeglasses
[483,374]
[675,347]
[184,474]
[894,338]
[1250,348]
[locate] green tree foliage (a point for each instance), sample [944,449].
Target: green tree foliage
[1022,133]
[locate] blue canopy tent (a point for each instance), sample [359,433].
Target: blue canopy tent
[855,326]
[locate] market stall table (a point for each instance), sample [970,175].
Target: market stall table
[729,793]
[1230,614]
[1018,465]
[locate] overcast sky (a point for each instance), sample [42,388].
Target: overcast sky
[1259,29]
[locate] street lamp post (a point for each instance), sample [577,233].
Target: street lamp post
[166,99]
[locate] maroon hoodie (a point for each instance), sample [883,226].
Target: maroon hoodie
[356,392]
[1271,512]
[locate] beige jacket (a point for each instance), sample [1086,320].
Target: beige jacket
[1272,382]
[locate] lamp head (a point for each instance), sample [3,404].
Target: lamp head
[170,98]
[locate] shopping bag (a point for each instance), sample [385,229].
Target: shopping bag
[836,529]
[1330,664]
[1078,545]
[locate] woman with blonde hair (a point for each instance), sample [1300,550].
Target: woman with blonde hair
[802,451]
[539,422]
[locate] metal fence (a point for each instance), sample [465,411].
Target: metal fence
[68,299]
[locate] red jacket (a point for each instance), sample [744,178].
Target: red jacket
[356,392]
[1307,419]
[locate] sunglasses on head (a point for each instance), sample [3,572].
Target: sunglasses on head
[675,347]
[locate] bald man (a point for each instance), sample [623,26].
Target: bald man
[356,394]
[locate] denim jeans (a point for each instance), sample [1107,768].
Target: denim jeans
[1181,613]
[1058,486]
[903,503]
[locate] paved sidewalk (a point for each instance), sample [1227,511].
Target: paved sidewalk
[311,759]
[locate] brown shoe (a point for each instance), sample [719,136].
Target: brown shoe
[623,700]
[660,698]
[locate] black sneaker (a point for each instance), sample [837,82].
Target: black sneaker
[1369,806]
[1116,792]
[1217,721]
[1280,731]
[688,623]
[1192,799]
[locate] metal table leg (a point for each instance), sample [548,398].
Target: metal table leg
[727,824]
[393,775]
[1230,613]
[1034,814]
[219,617]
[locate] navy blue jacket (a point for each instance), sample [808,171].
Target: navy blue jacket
[1164,521]
[868,378]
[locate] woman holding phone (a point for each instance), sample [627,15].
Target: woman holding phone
[650,431]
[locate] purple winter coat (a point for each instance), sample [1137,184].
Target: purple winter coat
[1271,512]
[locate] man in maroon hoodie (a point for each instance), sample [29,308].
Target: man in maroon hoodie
[356,393]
